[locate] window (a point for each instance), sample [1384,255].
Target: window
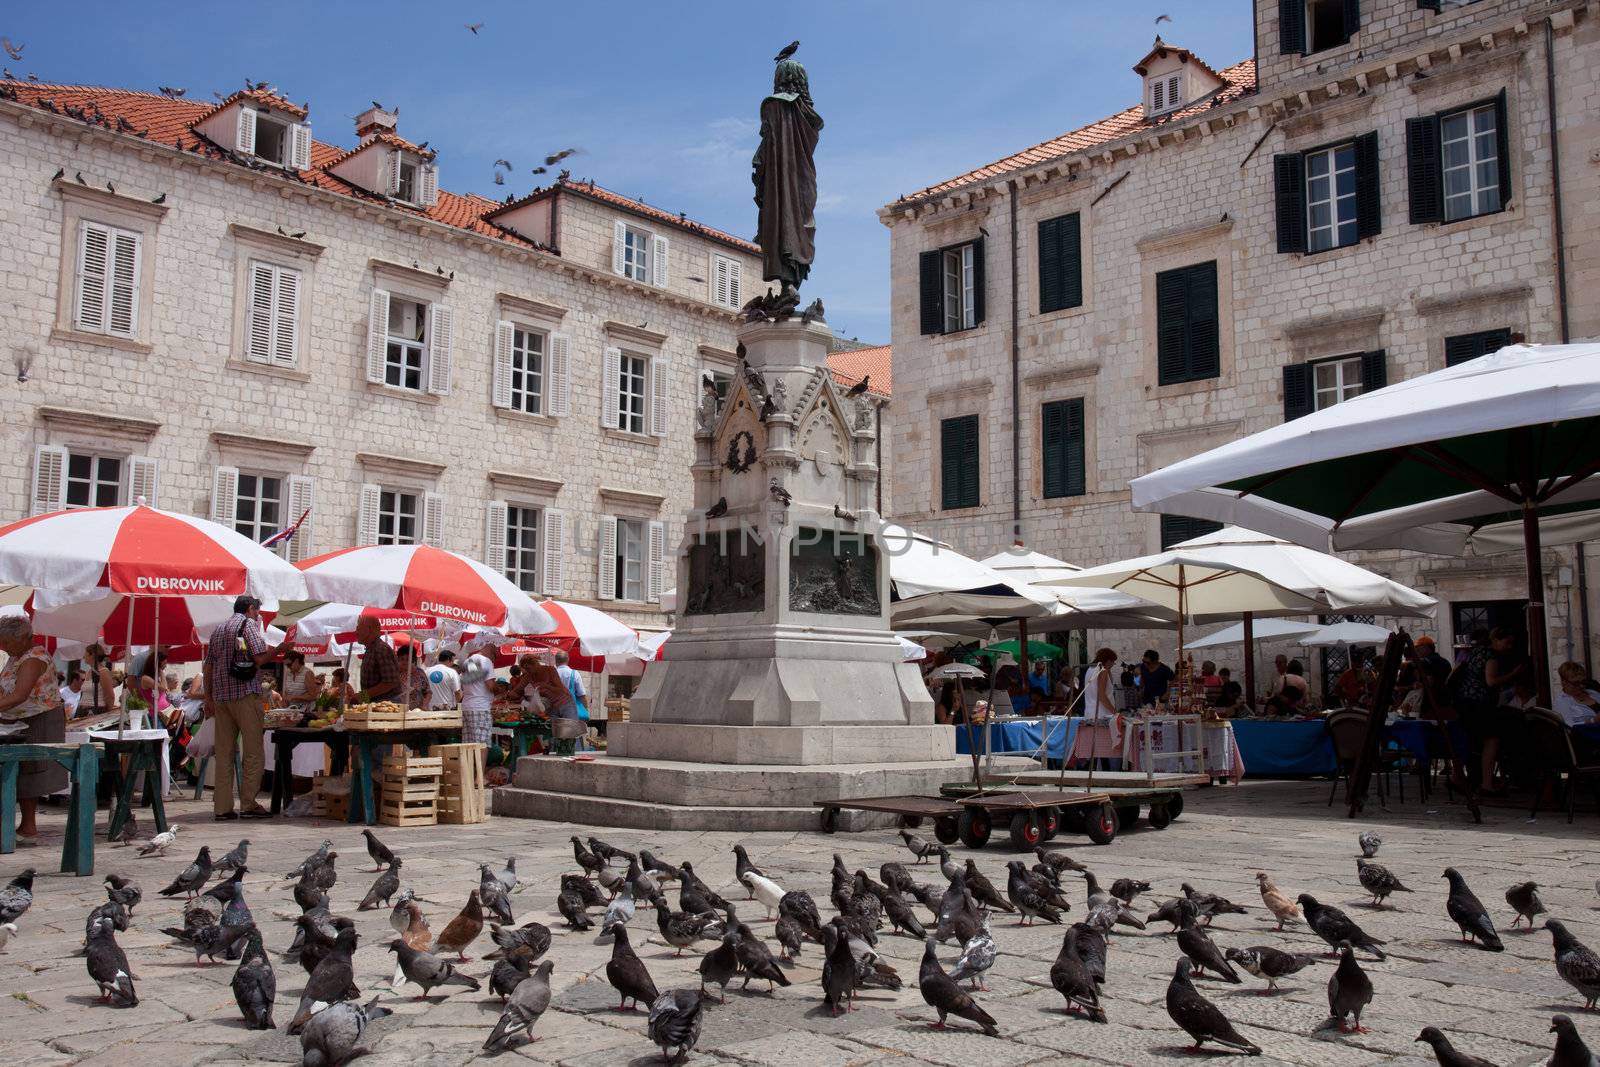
[527,371]
[1060,264]
[258,506]
[522,547]
[1166,94]
[1458,163]
[1308,26]
[93,481]
[1322,383]
[643,256]
[1187,342]
[1469,346]
[273,143]
[1327,197]
[272,329]
[725,282]
[1176,529]
[107,280]
[405,187]
[635,254]
[719,380]
[398,518]
[634,393]
[958,453]
[952,288]
[1062,448]
[407,344]
[629,560]
[631,393]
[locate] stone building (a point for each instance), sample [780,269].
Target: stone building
[1373,196]
[209,308]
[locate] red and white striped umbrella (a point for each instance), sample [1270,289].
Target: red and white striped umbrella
[588,631]
[110,617]
[141,551]
[424,579]
[338,621]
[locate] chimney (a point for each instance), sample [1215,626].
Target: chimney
[376,120]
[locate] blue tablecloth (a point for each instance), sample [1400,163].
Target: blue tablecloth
[1590,730]
[1421,737]
[1021,736]
[1283,749]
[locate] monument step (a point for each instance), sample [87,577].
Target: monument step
[582,810]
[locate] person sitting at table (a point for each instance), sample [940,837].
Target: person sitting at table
[101,684]
[72,692]
[1291,697]
[1008,678]
[1039,680]
[1576,703]
[1153,677]
[1280,670]
[148,689]
[1230,694]
[1521,696]
[1351,688]
[1211,680]
[339,685]
[30,692]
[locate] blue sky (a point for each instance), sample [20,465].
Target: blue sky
[662,97]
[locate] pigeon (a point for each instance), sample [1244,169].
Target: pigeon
[768,892]
[658,868]
[788,50]
[675,1018]
[108,966]
[236,857]
[627,974]
[1272,964]
[1334,926]
[719,965]
[254,985]
[533,936]
[1369,843]
[945,996]
[474,27]
[902,918]
[17,896]
[1210,904]
[312,860]
[947,866]
[492,894]
[384,889]
[124,891]
[117,913]
[1524,900]
[681,929]
[1378,880]
[755,959]
[428,970]
[1073,979]
[1349,991]
[779,493]
[787,933]
[192,877]
[619,911]
[463,930]
[609,852]
[1446,1053]
[798,906]
[587,892]
[1112,909]
[508,973]
[331,1035]
[983,890]
[380,853]
[1030,904]
[1198,1017]
[158,845]
[414,930]
[322,874]
[1570,1050]
[686,874]
[319,940]
[1173,911]
[1203,952]
[1091,944]
[130,829]
[1282,908]
[332,981]
[919,847]
[1575,962]
[570,904]
[590,862]
[838,970]
[977,956]
[1060,861]
[859,388]
[1468,912]
[1125,889]
[896,877]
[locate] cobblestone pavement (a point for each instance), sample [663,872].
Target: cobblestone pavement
[1495,1005]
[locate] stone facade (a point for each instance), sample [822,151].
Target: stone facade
[1199,186]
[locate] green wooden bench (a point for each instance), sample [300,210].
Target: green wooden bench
[82,762]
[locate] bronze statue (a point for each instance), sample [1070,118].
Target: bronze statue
[785,176]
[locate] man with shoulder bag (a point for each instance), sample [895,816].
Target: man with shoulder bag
[232,669]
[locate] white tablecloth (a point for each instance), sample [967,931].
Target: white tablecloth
[308,759]
[78,737]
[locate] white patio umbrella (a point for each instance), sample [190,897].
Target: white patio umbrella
[930,579]
[1028,565]
[1345,634]
[1261,630]
[424,579]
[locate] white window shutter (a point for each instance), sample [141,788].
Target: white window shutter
[246,141]
[286,319]
[441,343]
[94,270]
[123,317]
[302,498]
[394,172]
[377,345]
[433,519]
[656,536]
[142,480]
[430,185]
[504,337]
[554,547]
[301,159]
[558,377]
[494,536]
[660,383]
[611,389]
[259,325]
[49,479]
[660,264]
[225,496]
[735,278]
[719,280]
[367,514]
[608,558]
[619,242]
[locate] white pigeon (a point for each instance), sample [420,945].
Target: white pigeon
[977,956]
[766,890]
[620,910]
[159,844]
[7,932]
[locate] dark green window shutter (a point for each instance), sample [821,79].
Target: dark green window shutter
[1289,186]
[1352,18]
[1468,346]
[933,292]
[958,460]
[977,282]
[1175,529]
[1205,347]
[1172,327]
[1292,27]
[1374,371]
[1502,132]
[1423,177]
[1297,399]
[1428,5]
[1369,201]
[1060,264]
[1063,467]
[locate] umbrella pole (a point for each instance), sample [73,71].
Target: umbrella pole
[1537,649]
[127,660]
[1022,651]
[1250,659]
[972,736]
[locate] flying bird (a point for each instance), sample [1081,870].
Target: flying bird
[556,157]
[540,170]
[12,50]
[1163,18]
[788,50]
[506,163]
[172,92]
[474,27]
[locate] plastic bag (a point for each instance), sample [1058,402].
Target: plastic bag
[204,742]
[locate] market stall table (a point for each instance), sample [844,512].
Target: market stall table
[285,739]
[1219,752]
[1021,737]
[522,735]
[363,807]
[146,751]
[1285,748]
[82,762]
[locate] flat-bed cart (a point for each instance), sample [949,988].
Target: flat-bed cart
[1034,816]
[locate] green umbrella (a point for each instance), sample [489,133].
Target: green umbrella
[1036,649]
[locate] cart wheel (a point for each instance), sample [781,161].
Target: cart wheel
[830,820]
[974,827]
[1160,818]
[1026,833]
[911,822]
[1101,826]
[1049,822]
[947,829]
[1127,816]
[1175,806]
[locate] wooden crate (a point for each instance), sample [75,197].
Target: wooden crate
[386,715]
[462,799]
[409,789]
[617,710]
[433,719]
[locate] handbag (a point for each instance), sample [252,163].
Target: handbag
[243,666]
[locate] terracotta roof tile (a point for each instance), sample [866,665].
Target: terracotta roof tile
[261,96]
[606,196]
[393,140]
[1161,48]
[851,366]
[1239,80]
